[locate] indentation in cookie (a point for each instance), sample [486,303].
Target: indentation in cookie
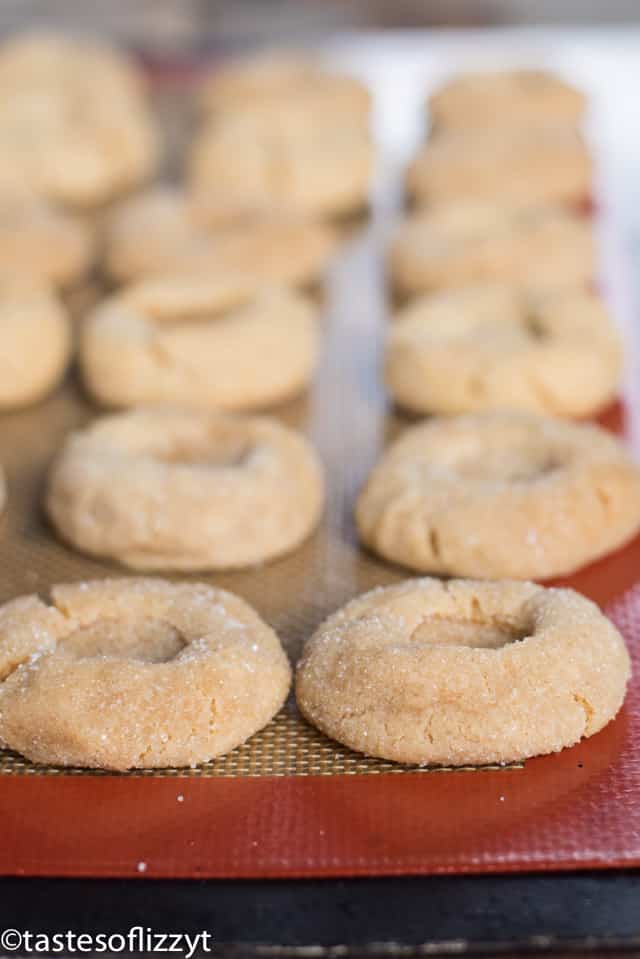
[509,465]
[146,640]
[451,631]
[229,451]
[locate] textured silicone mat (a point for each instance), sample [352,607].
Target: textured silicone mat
[291,802]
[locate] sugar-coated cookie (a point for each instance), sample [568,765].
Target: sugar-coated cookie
[127,673]
[201,342]
[304,146]
[162,230]
[524,167]
[463,672]
[500,494]
[505,100]
[542,248]
[35,341]
[492,347]
[73,118]
[169,489]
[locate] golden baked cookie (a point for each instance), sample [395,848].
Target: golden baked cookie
[521,167]
[161,230]
[500,494]
[167,489]
[542,248]
[463,672]
[37,240]
[505,100]
[73,118]
[253,83]
[299,153]
[35,341]
[492,347]
[135,673]
[201,342]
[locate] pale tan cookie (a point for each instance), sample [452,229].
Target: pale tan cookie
[298,153]
[161,230]
[199,342]
[524,167]
[501,494]
[35,341]
[37,240]
[167,489]
[135,673]
[256,82]
[504,100]
[74,118]
[492,347]
[542,248]
[463,672]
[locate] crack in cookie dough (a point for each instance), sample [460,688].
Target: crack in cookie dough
[164,488]
[500,494]
[163,230]
[463,673]
[542,249]
[199,342]
[496,347]
[118,674]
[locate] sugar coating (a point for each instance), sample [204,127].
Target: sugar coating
[542,248]
[119,674]
[505,100]
[500,494]
[282,134]
[75,120]
[35,337]
[496,346]
[163,230]
[171,489]
[463,672]
[200,342]
[549,165]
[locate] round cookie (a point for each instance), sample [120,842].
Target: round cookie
[261,81]
[492,347]
[162,230]
[39,241]
[88,680]
[35,341]
[200,342]
[500,494]
[300,155]
[542,248]
[505,100]
[167,489]
[74,119]
[518,168]
[463,672]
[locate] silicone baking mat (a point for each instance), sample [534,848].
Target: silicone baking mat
[290,801]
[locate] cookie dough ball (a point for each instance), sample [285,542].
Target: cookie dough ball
[135,673]
[541,248]
[199,342]
[35,341]
[302,144]
[74,118]
[505,100]
[259,82]
[520,168]
[501,494]
[38,240]
[162,230]
[463,672]
[492,347]
[166,489]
